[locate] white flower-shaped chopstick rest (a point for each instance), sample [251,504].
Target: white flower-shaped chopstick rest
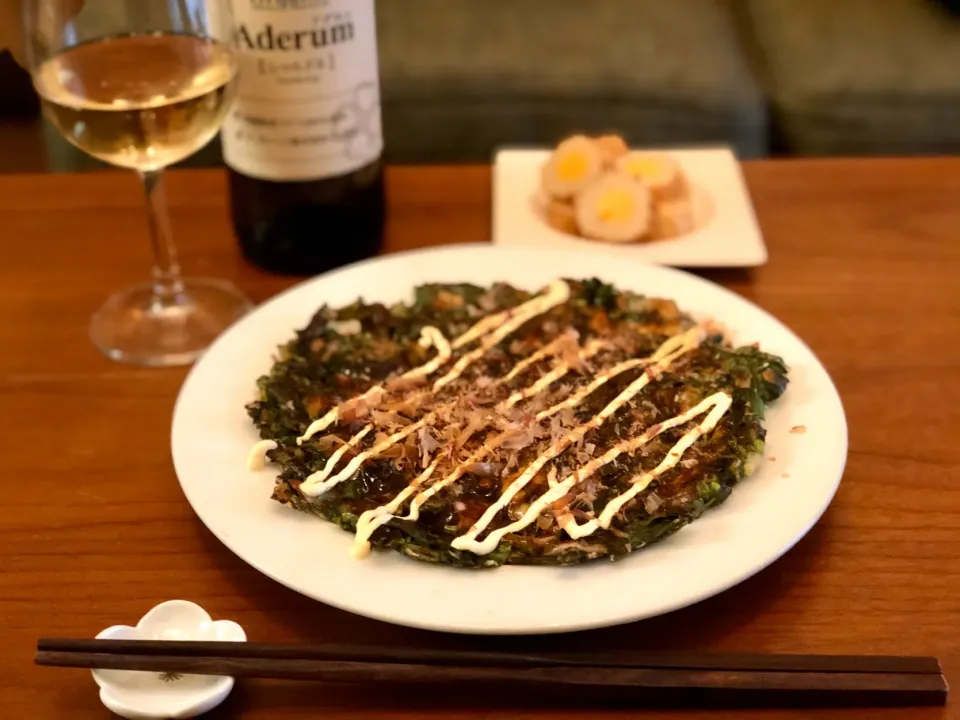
[137,695]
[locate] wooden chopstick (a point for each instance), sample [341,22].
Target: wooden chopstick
[477,658]
[787,679]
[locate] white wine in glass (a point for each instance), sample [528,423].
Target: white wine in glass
[142,84]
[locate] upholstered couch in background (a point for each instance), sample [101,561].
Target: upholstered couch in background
[462,77]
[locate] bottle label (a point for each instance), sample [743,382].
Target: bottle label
[308,99]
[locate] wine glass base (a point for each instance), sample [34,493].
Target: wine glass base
[136,326]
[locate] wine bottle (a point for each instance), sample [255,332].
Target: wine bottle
[303,141]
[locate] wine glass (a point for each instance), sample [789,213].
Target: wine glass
[142,84]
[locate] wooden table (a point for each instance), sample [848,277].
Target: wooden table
[864,258]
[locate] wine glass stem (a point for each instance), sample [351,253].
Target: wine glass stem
[167,282]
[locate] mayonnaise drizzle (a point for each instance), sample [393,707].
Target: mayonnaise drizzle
[319,487]
[257,457]
[429,336]
[372,519]
[717,403]
[468,540]
[546,351]
[720,403]
[551,377]
[666,353]
[639,482]
[325,421]
[483,327]
[414,512]
[320,475]
[558,292]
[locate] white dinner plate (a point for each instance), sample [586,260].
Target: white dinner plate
[766,514]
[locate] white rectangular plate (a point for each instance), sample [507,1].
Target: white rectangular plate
[730,236]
